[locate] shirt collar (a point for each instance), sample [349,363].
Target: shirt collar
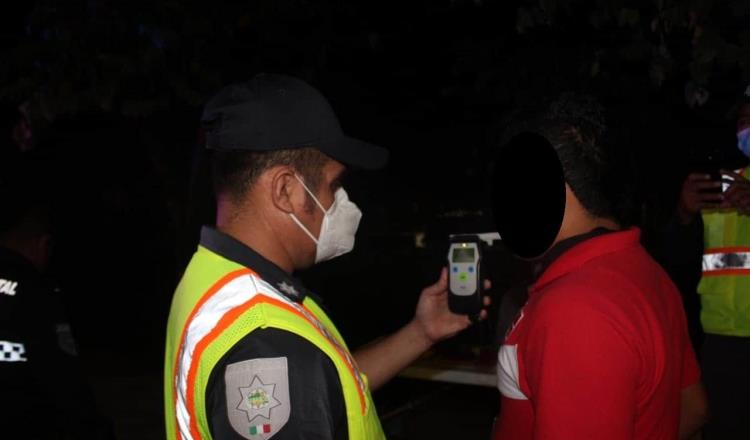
[583,249]
[234,250]
[557,250]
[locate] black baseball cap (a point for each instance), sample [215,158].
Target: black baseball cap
[275,112]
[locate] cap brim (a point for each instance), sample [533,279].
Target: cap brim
[356,153]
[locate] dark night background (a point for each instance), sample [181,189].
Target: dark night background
[114,92]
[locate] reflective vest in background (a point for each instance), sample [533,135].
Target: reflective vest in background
[217,303]
[725,285]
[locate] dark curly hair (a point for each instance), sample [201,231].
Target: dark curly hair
[575,125]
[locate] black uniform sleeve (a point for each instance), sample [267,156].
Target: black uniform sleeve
[317,404]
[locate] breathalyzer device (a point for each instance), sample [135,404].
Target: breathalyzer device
[464,280]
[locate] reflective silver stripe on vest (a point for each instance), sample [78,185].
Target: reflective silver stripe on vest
[726,261]
[235,293]
[232,295]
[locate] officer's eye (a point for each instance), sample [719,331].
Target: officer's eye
[338,182]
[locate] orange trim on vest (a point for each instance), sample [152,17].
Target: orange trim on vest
[715,273]
[227,320]
[362,401]
[206,296]
[727,250]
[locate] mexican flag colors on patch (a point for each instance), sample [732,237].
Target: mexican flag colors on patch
[260,429]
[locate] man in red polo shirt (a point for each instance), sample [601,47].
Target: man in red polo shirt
[600,350]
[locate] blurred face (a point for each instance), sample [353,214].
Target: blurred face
[22,132]
[743,117]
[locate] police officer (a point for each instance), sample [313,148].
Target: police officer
[718,224]
[250,354]
[43,394]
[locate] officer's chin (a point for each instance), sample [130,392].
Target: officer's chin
[307,262]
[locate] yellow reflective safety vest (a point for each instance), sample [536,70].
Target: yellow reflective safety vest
[217,303]
[725,285]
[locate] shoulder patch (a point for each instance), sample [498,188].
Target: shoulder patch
[257,392]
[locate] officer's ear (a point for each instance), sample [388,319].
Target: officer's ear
[286,191]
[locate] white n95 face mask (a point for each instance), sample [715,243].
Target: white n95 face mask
[340,223]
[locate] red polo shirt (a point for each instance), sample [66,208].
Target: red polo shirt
[599,351]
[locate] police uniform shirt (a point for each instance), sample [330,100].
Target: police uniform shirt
[39,374]
[317,403]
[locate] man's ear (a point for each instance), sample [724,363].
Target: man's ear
[284,188]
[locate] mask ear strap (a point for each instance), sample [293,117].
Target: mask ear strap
[310,192]
[307,231]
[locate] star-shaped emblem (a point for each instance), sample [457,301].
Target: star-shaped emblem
[288,289]
[257,399]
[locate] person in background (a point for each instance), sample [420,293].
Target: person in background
[44,392]
[713,218]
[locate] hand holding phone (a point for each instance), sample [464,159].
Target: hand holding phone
[699,191]
[737,193]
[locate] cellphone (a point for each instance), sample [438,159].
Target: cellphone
[726,181]
[711,163]
[714,176]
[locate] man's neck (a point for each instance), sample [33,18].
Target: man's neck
[584,224]
[258,236]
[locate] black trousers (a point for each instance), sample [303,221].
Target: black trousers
[725,362]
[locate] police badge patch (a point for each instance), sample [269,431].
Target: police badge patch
[257,393]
